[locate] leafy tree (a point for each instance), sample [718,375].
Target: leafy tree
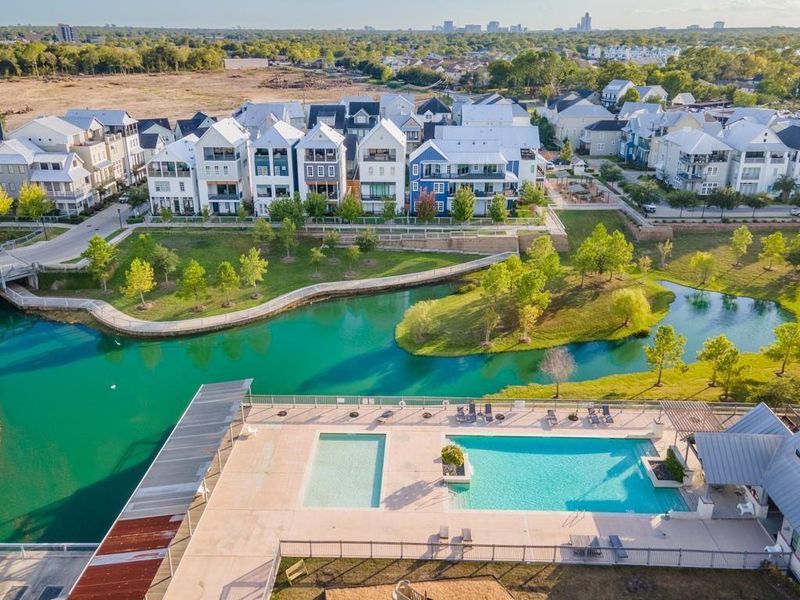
[644,192]
[33,203]
[631,95]
[786,346]
[389,210]
[785,185]
[497,209]
[350,209]
[528,317]
[666,351]
[742,98]
[262,231]
[205,214]
[610,172]
[532,194]
[773,248]
[631,308]
[253,267]
[496,282]
[241,213]
[102,258]
[316,257]
[316,205]
[619,253]
[420,322]
[367,239]
[777,393]
[725,199]
[559,365]
[740,242]
[287,235]
[6,202]
[489,321]
[463,206]
[704,263]
[530,289]
[756,202]
[664,252]
[426,207]
[713,352]
[331,238]
[290,207]
[144,246]
[193,282]
[227,280]
[566,150]
[166,215]
[793,252]
[138,195]
[729,369]
[682,199]
[353,253]
[139,280]
[452,455]
[165,260]
[644,264]
[542,255]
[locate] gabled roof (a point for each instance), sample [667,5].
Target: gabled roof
[617,86]
[193,125]
[511,139]
[651,90]
[14,151]
[84,123]
[145,124]
[559,103]
[149,141]
[695,141]
[230,130]
[782,479]
[337,111]
[684,98]
[736,458]
[321,136]
[762,116]
[403,120]
[629,108]
[108,117]
[386,125]
[56,124]
[586,109]
[388,100]
[183,150]
[371,108]
[745,135]
[435,106]
[791,136]
[760,419]
[607,125]
[485,114]
[279,134]
[254,115]
[464,152]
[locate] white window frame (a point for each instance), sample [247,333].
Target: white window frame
[331,171]
[321,171]
[438,187]
[415,170]
[309,170]
[415,186]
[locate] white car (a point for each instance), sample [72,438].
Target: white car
[795,212]
[649,208]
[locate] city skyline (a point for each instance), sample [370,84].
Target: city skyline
[356,14]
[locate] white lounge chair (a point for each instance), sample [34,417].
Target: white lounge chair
[746,509]
[249,431]
[776,549]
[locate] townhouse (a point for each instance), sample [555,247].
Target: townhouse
[641,135]
[652,93]
[397,105]
[571,114]
[382,167]
[691,159]
[322,163]
[434,110]
[197,124]
[172,178]
[602,138]
[614,91]
[258,117]
[362,117]
[275,165]
[412,127]
[334,116]
[758,156]
[16,164]
[222,155]
[790,136]
[154,135]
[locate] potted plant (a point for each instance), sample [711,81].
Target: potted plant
[452,460]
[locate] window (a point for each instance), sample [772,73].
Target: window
[264,191]
[182,186]
[162,186]
[438,187]
[708,188]
[320,171]
[601,146]
[415,186]
[711,171]
[751,173]
[3,169]
[21,169]
[371,171]
[415,170]
[439,206]
[309,170]
[331,171]
[381,170]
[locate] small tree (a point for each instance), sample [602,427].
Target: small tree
[497,209]
[227,281]
[740,242]
[631,95]
[496,282]
[350,209]
[426,207]
[288,236]
[367,240]
[166,215]
[532,194]
[786,346]
[725,199]
[566,150]
[389,210]
[165,261]
[315,258]
[6,202]
[287,208]
[353,253]
[528,317]
[419,320]
[262,231]
[102,258]
[793,252]
[785,185]
[619,253]
[241,213]
[729,370]
[645,192]
[193,282]
[144,247]
[139,280]
[631,308]
[610,172]
[205,214]
[316,205]
[644,264]
[489,321]
[253,267]
[756,202]
[33,203]
[703,263]
[773,249]
[463,207]
[713,352]
[682,199]
[138,195]
[558,365]
[666,350]
[331,238]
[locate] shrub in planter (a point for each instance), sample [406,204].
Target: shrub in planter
[674,466]
[453,455]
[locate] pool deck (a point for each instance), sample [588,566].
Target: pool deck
[258,499]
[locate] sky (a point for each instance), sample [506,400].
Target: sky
[417,14]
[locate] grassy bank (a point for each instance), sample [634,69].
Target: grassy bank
[10,233]
[210,248]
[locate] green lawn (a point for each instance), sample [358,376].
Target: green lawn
[580,223]
[210,248]
[9,233]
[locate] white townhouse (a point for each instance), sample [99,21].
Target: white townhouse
[95,152]
[397,105]
[382,167]
[759,156]
[322,163]
[691,159]
[275,165]
[257,117]
[16,163]
[571,115]
[172,178]
[66,181]
[120,122]
[412,127]
[614,91]
[790,136]
[223,167]
[630,108]
[652,93]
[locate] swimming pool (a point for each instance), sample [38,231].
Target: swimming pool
[561,473]
[347,471]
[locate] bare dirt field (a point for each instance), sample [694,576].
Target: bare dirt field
[172,95]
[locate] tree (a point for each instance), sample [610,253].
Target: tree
[367,239]
[729,369]
[631,95]
[165,261]
[241,213]
[227,281]
[666,351]
[532,194]
[566,150]
[138,195]
[353,253]
[786,346]
[713,352]
[644,264]
[102,258]
[664,252]
[703,263]
[777,393]
[682,199]
[262,231]
[496,282]
[740,242]
[205,214]
[756,202]
[631,308]
[725,199]
[528,317]
[316,205]
[139,280]
[645,192]
[315,258]
[288,236]
[350,209]
[193,282]
[785,185]
[166,215]
[253,267]
[610,172]
[144,246]
[290,207]
[793,252]
[331,238]
[6,202]
[426,207]
[619,253]
[489,321]
[463,206]
[773,248]
[497,209]
[542,255]
[559,365]
[33,203]
[419,319]
[389,210]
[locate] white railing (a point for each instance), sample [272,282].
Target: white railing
[24,549]
[11,244]
[273,575]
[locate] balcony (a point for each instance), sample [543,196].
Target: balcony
[755,160]
[224,197]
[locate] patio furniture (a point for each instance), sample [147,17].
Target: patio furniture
[746,509]
[519,404]
[607,414]
[385,416]
[593,549]
[473,416]
[444,533]
[776,549]
[487,413]
[593,418]
[466,537]
[579,543]
[461,416]
[249,431]
[619,549]
[552,419]
[296,571]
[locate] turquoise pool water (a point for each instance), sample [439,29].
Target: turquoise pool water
[347,471]
[560,473]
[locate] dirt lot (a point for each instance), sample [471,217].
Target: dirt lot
[173,95]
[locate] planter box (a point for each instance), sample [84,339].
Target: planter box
[461,479]
[648,462]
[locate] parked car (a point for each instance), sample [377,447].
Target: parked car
[649,208]
[123,199]
[795,212]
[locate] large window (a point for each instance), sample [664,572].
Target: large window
[219,154]
[381,154]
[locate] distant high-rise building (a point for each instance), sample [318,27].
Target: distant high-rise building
[585,25]
[693,27]
[65,33]
[472,28]
[719,25]
[493,27]
[449,27]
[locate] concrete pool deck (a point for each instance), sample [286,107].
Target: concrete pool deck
[258,499]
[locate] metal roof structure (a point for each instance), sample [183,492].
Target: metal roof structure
[690,417]
[760,419]
[782,479]
[736,458]
[124,565]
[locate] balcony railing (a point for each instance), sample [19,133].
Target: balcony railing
[227,197]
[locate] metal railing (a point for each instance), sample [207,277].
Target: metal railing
[273,575]
[563,554]
[11,244]
[23,548]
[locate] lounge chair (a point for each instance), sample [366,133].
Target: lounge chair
[607,414]
[466,537]
[619,549]
[552,419]
[473,416]
[593,418]
[487,413]
[593,549]
[746,509]
[385,416]
[461,416]
[579,543]
[444,533]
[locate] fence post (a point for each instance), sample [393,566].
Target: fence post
[401,550]
[340,549]
[648,557]
[492,552]
[744,560]
[370,549]
[554,553]
[680,556]
[189,520]
[169,556]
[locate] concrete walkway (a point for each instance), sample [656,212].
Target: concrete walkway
[114,319]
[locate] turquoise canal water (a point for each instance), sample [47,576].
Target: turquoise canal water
[559,473]
[347,471]
[72,448]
